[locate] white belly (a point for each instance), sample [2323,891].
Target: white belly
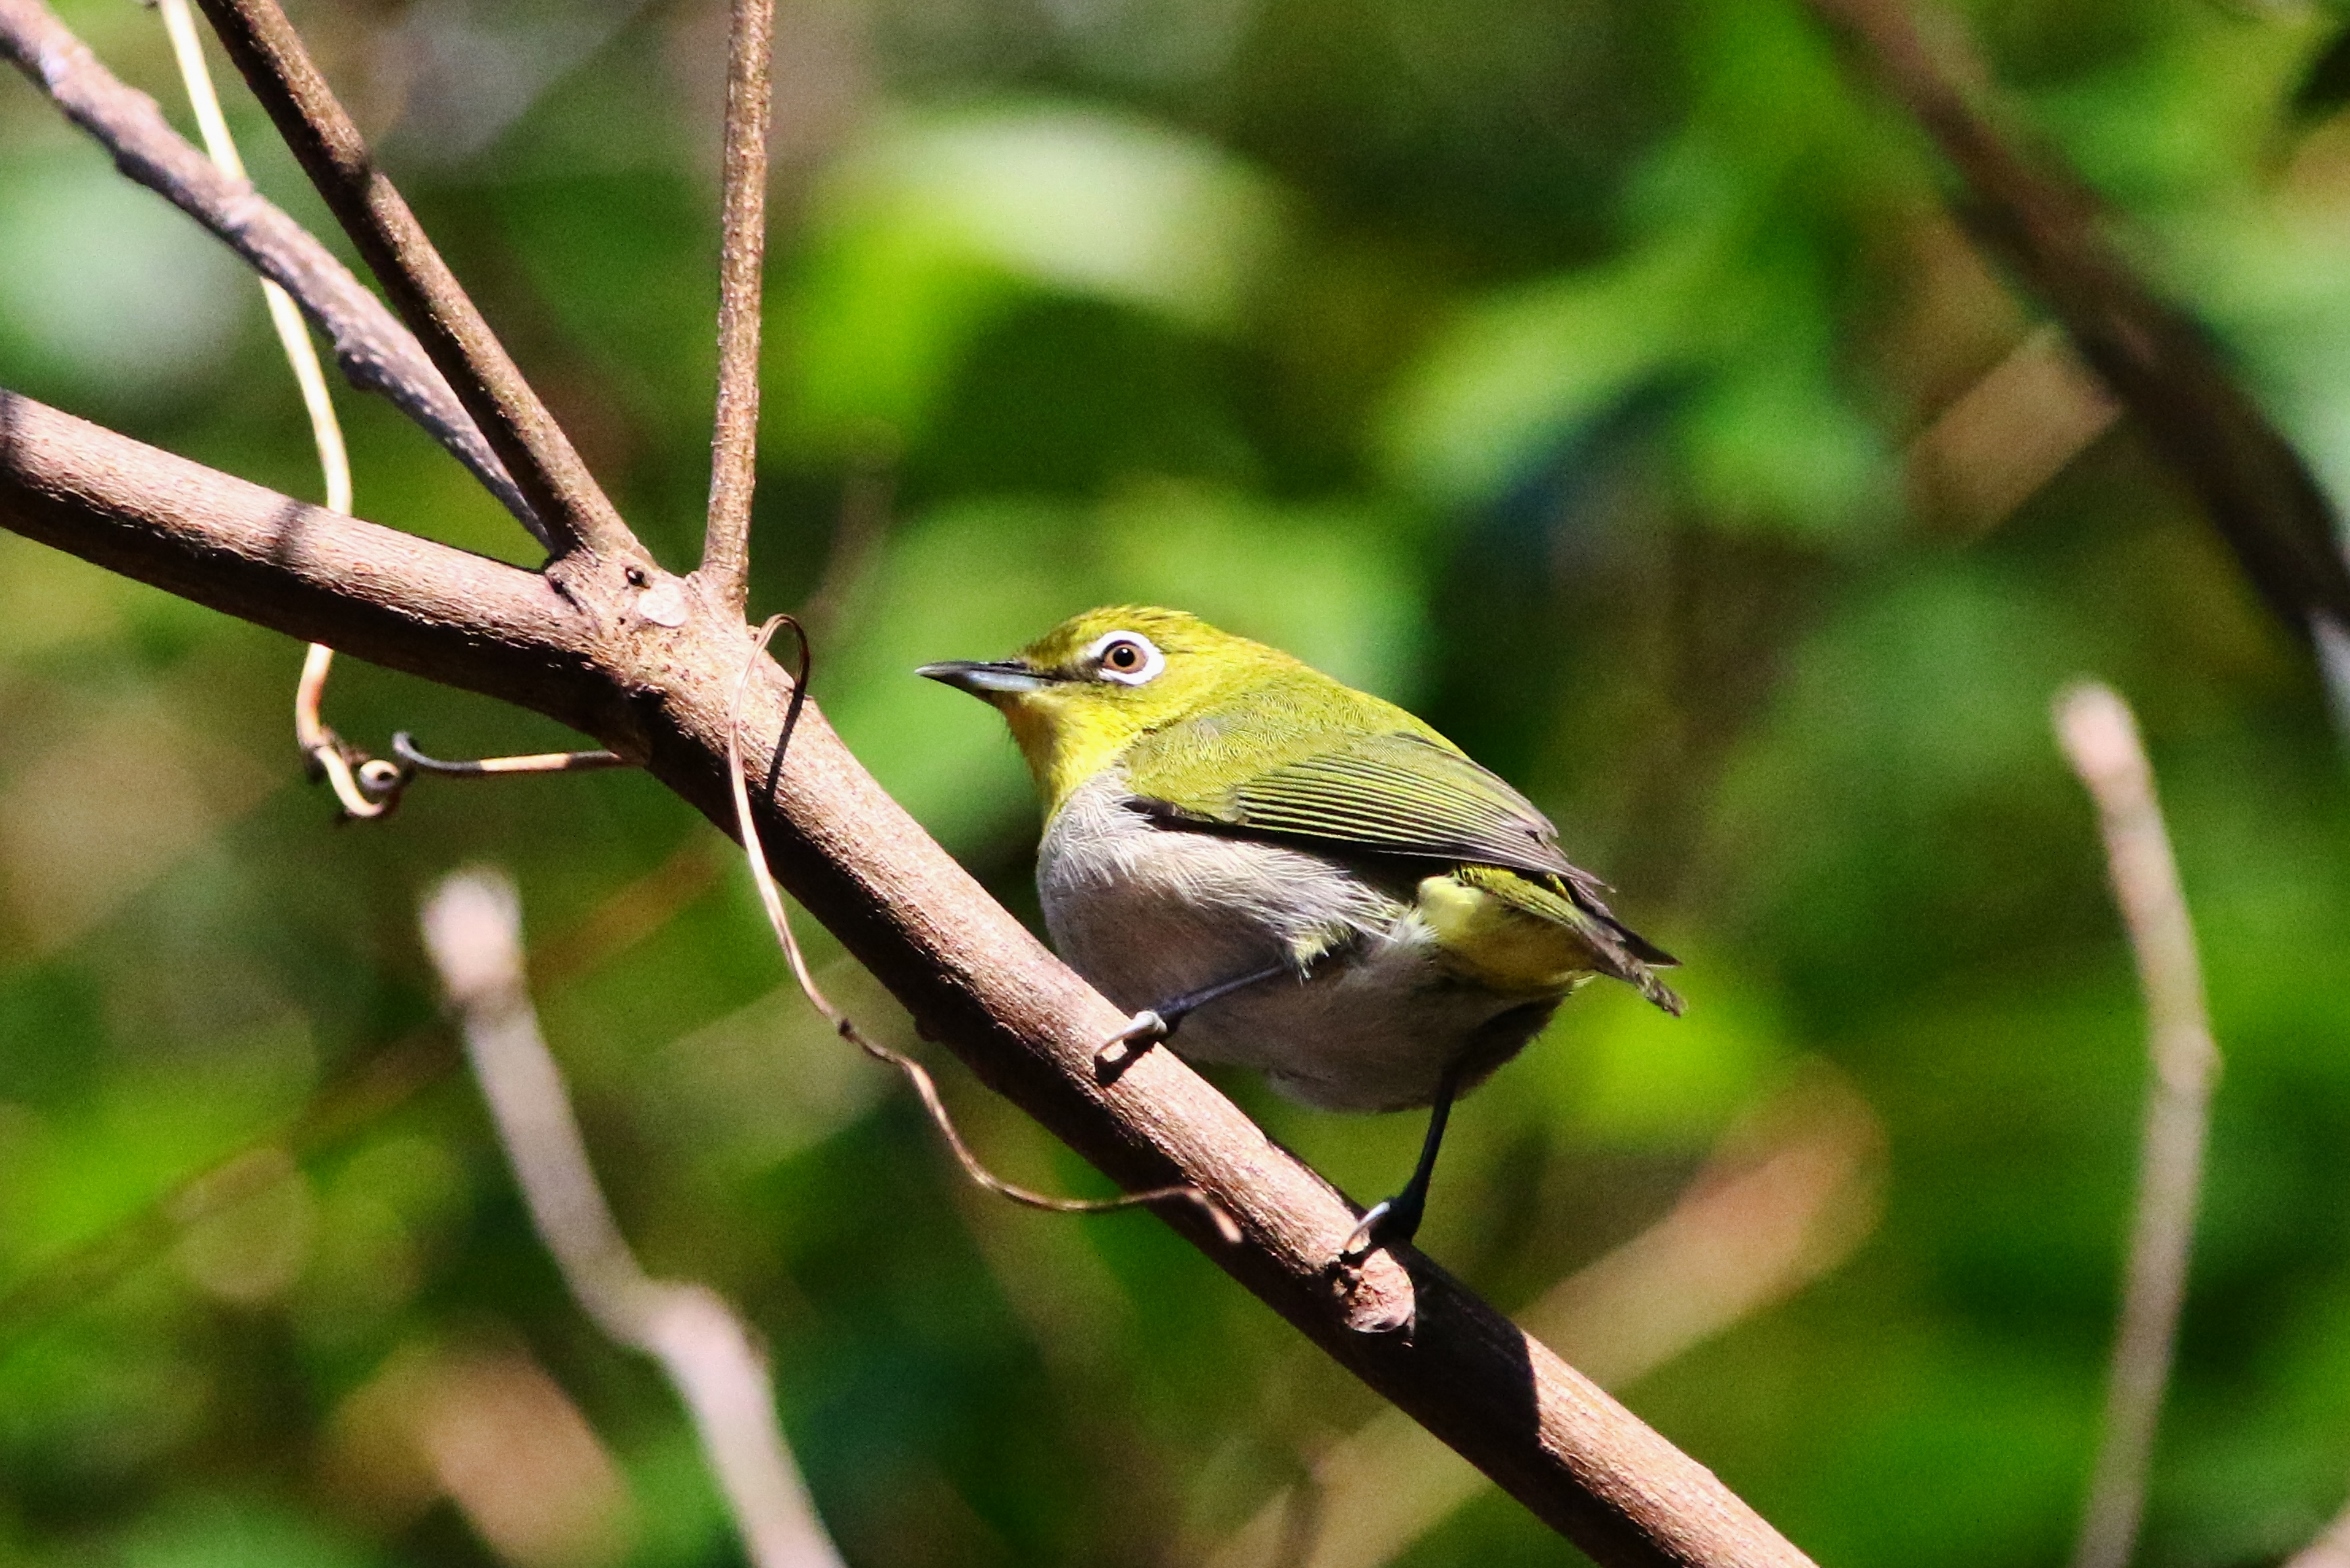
[1368,1020]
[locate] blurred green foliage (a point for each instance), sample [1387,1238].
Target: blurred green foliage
[1545,364]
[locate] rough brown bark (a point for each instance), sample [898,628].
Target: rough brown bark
[734,442]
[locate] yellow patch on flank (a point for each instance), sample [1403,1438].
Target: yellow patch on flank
[1499,945]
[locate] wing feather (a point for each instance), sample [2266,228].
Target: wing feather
[1401,791]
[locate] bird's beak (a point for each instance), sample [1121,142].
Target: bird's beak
[997,678]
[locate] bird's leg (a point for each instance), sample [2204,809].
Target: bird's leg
[1157,1023]
[1394,1221]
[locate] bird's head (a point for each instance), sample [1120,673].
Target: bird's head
[1085,691]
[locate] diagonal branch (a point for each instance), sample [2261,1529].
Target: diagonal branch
[2046,225]
[376,353]
[426,293]
[973,978]
[734,443]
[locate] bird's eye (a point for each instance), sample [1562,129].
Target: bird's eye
[1128,658]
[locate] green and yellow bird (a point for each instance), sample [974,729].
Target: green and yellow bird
[1279,871]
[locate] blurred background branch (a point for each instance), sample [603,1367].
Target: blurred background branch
[2045,225]
[2100,737]
[351,1105]
[473,928]
[2330,1550]
[2000,442]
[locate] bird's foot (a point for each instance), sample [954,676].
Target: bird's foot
[1391,1222]
[1115,1052]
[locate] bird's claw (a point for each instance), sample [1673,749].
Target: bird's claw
[1142,1028]
[1388,1223]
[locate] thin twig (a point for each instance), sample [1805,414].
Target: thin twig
[2047,226]
[404,747]
[771,899]
[350,774]
[374,351]
[473,929]
[385,1079]
[365,787]
[734,441]
[972,977]
[426,293]
[2101,739]
[319,743]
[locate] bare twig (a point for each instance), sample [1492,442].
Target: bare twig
[426,293]
[348,1103]
[364,787]
[778,917]
[375,352]
[473,929]
[1768,1216]
[734,442]
[2046,225]
[2101,738]
[404,747]
[973,978]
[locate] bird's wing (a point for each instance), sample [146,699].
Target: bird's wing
[1386,791]
[1393,794]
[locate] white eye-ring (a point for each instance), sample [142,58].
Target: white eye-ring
[1129,658]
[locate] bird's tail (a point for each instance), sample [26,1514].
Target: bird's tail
[1631,957]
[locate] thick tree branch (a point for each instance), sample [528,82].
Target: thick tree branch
[2046,225]
[385,596]
[376,353]
[734,443]
[972,976]
[426,293]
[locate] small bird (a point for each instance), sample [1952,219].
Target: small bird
[1278,871]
